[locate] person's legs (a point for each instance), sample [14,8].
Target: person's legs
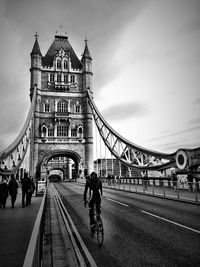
[13,199]
[4,202]
[98,206]
[23,199]
[91,211]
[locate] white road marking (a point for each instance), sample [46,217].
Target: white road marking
[161,218]
[118,202]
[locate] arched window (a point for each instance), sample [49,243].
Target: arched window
[65,65]
[72,79]
[44,131]
[65,78]
[46,107]
[80,132]
[51,132]
[62,106]
[59,77]
[51,78]
[77,107]
[62,130]
[73,132]
[58,64]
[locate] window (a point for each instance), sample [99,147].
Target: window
[65,65]
[73,132]
[58,64]
[62,130]
[80,132]
[51,77]
[51,132]
[58,77]
[46,107]
[65,78]
[44,131]
[77,109]
[62,107]
[72,79]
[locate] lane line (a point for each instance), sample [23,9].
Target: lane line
[161,218]
[123,204]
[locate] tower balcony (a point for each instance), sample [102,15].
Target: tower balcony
[61,86]
[58,114]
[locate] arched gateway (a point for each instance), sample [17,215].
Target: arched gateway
[66,161]
[62,124]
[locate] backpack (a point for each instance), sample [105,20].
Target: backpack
[95,184]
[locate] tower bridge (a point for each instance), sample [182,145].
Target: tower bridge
[60,124]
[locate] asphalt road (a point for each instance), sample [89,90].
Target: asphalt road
[139,230]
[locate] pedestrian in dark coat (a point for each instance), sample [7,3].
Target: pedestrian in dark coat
[30,191]
[12,188]
[3,192]
[25,189]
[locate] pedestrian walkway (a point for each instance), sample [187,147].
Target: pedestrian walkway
[16,225]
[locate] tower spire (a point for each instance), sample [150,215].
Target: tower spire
[36,47]
[86,53]
[36,36]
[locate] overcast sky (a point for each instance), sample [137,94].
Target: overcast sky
[146,64]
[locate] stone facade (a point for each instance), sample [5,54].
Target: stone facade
[63,119]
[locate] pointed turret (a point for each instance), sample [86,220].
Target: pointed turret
[86,53]
[36,63]
[87,65]
[36,47]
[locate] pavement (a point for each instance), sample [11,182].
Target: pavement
[16,225]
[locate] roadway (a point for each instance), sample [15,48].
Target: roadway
[140,230]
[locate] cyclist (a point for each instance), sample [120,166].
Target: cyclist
[94,185]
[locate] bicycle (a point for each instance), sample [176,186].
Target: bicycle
[98,229]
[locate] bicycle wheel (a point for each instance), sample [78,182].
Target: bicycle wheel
[100,232]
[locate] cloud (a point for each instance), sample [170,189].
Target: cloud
[197,101]
[194,121]
[125,111]
[170,147]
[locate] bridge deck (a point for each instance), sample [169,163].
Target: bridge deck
[16,226]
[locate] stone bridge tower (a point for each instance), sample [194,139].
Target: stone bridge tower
[63,119]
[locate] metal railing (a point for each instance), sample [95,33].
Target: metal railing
[33,256]
[188,191]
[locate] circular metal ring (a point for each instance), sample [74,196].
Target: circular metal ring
[181,159]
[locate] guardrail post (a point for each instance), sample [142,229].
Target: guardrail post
[153,187]
[163,189]
[195,188]
[177,190]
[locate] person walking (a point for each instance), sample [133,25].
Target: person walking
[12,189]
[25,188]
[3,192]
[94,185]
[30,191]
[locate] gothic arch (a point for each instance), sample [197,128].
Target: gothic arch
[61,153]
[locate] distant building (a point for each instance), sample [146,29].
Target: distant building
[103,167]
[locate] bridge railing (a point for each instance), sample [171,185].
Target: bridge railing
[34,252]
[188,191]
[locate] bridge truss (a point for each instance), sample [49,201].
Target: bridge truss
[12,158]
[138,157]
